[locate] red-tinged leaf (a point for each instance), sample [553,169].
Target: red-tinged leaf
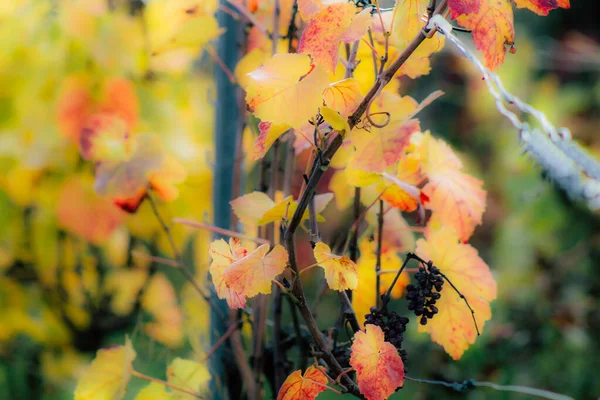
[328,28]
[542,7]
[343,96]
[83,213]
[379,368]
[126,180]
[493,28]
[340,271]
[384,148]
[286,89]
[307,387]
[456,198]
[453,326]
[223,255]
[254,273]
[104,137]
[269,133]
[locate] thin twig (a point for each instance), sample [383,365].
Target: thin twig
[249,16]
[213,54]
[379,251]
[471,384]
[319,166]
[462,296]
[232,328]
[188,275]
[212,228]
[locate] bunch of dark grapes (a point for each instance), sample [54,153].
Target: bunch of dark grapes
[392,325]
[423,295]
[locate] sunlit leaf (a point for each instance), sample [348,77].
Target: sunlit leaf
[340,271]
[379,368]
[108,375]
[303,387]
[453,326]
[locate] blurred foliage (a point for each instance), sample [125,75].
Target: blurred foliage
[65,291]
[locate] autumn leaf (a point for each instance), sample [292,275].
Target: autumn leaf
[191,24]
[159,299]
[492,24]
[336,120]
[384,146]
[343,96]
[326,29]
[406,25]
[154,391]
[257,208]
[453,326]
[124,287]
[189,375]
[103,136]
[299,387]
[84,213]
[456,198]
[108,375]
[254,273]
[286,89]
[542,7]
[125,179]
[365,295]
[379,368]
[269,133]
[340,271]
[223,255]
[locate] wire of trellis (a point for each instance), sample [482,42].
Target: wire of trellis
[563,159]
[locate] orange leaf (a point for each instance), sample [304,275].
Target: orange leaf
[328,28]
[253,274]
[492,24]
[340,271]
[257,208]
[456,198]
[542,7]
[298,387]
[74,106]
[379,368]
[286,89]
[84,213]
[119,98]
[453,326]
[222,256]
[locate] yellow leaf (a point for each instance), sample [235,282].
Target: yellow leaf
[108,375]
[340,271]
[453,326]
[337,122]
[154,391]
[189,375]
[286,89]
[160,300]
[343,96]
[125,286]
